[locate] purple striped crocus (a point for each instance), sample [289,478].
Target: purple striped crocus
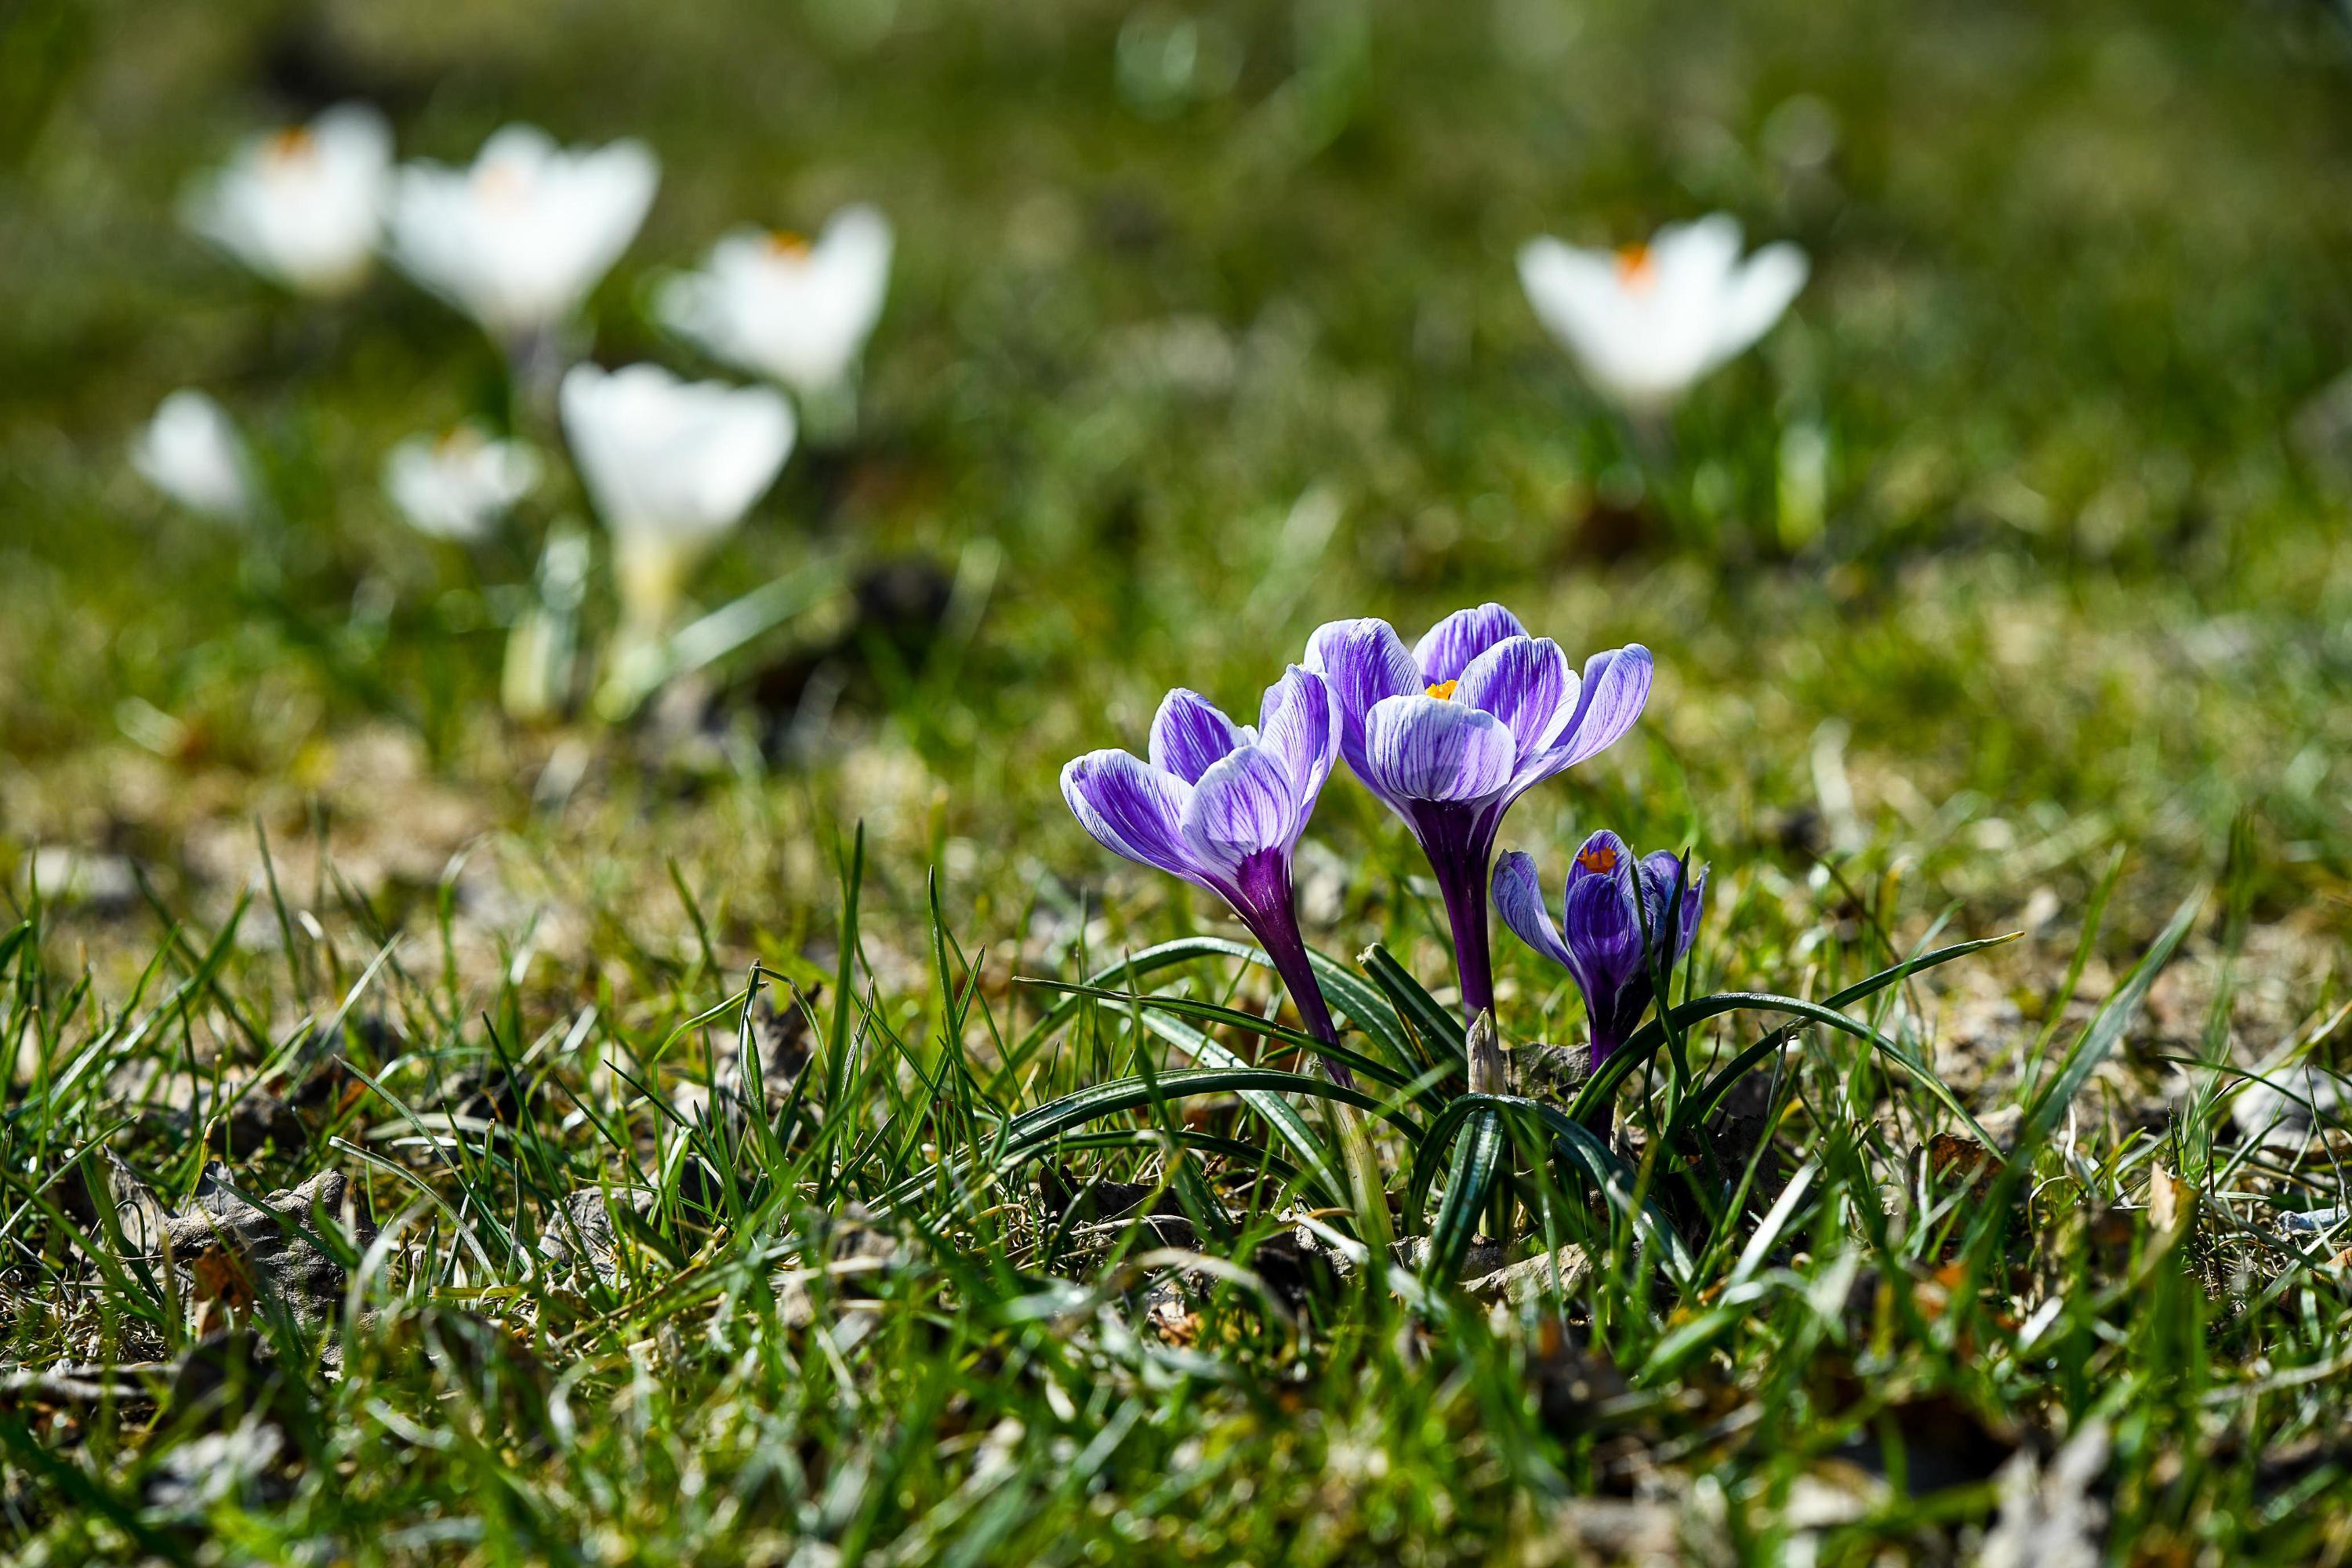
[1222,805]
[1601,938]
[1450,732]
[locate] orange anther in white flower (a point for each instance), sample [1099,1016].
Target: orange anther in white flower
[783,242]
[302,206]
[1642,342]
[293,143]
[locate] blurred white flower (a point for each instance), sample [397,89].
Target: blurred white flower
[671,466]
[461,485]
[778,306]
[1648,321]
[303,207]
[191,451]
[518,240]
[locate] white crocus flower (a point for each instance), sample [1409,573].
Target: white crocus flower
[303,207]
[461,485]
[671,466]
[191,451]
[778,306]
[518,240]
[1649,320]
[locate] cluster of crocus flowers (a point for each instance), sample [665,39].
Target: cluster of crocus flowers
[1447,734]
[1647,322]
[518,240]
[672,467]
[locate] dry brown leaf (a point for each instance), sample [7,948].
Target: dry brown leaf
[2172,1204]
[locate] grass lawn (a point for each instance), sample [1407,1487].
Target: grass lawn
[752,1122]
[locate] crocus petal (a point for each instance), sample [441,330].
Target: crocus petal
[1603,929]
[681,459]
[1518,899]
[1693,258]
[1299,722]
[1445,650]
[192,452]
[1427,749]
[1616,686]
[1364,662]
[1759,292]
[1664,875]
[1694,901]
[1241,807]
[1131,809]
[1190,733]
[1573,291]
[1525,682]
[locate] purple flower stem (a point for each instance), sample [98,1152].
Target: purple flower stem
[1460,855]
[1268,909]
[1602,1120]
[1288,949]
[1464,887]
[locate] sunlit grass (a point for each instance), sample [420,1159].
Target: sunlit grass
[2002,588]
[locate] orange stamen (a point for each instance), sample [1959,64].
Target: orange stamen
[784,243]
[1601,859]
[1443,690]
[1634,268]
[294,142]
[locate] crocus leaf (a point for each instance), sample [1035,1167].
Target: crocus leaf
[1032,1131]
[1646,1040]
[1234,1018]
[1355,1002]
[1608,1174]
[1696,1109]
[1363,1006]
[1705,1008]
[1233,1149]
[1615,1179]
[1279,1114]
[2107,1027]
[1440,1031]
[1477,1150]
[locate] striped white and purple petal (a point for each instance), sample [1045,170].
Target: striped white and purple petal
[1448,648]
[1478,660]
[1132,809]
[1222,805]
[1219,804]
[1364,662]
[1433,748]
[1190,733]
[1299,721]
[1241,809]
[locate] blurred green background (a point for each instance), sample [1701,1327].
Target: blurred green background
[2021,538]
